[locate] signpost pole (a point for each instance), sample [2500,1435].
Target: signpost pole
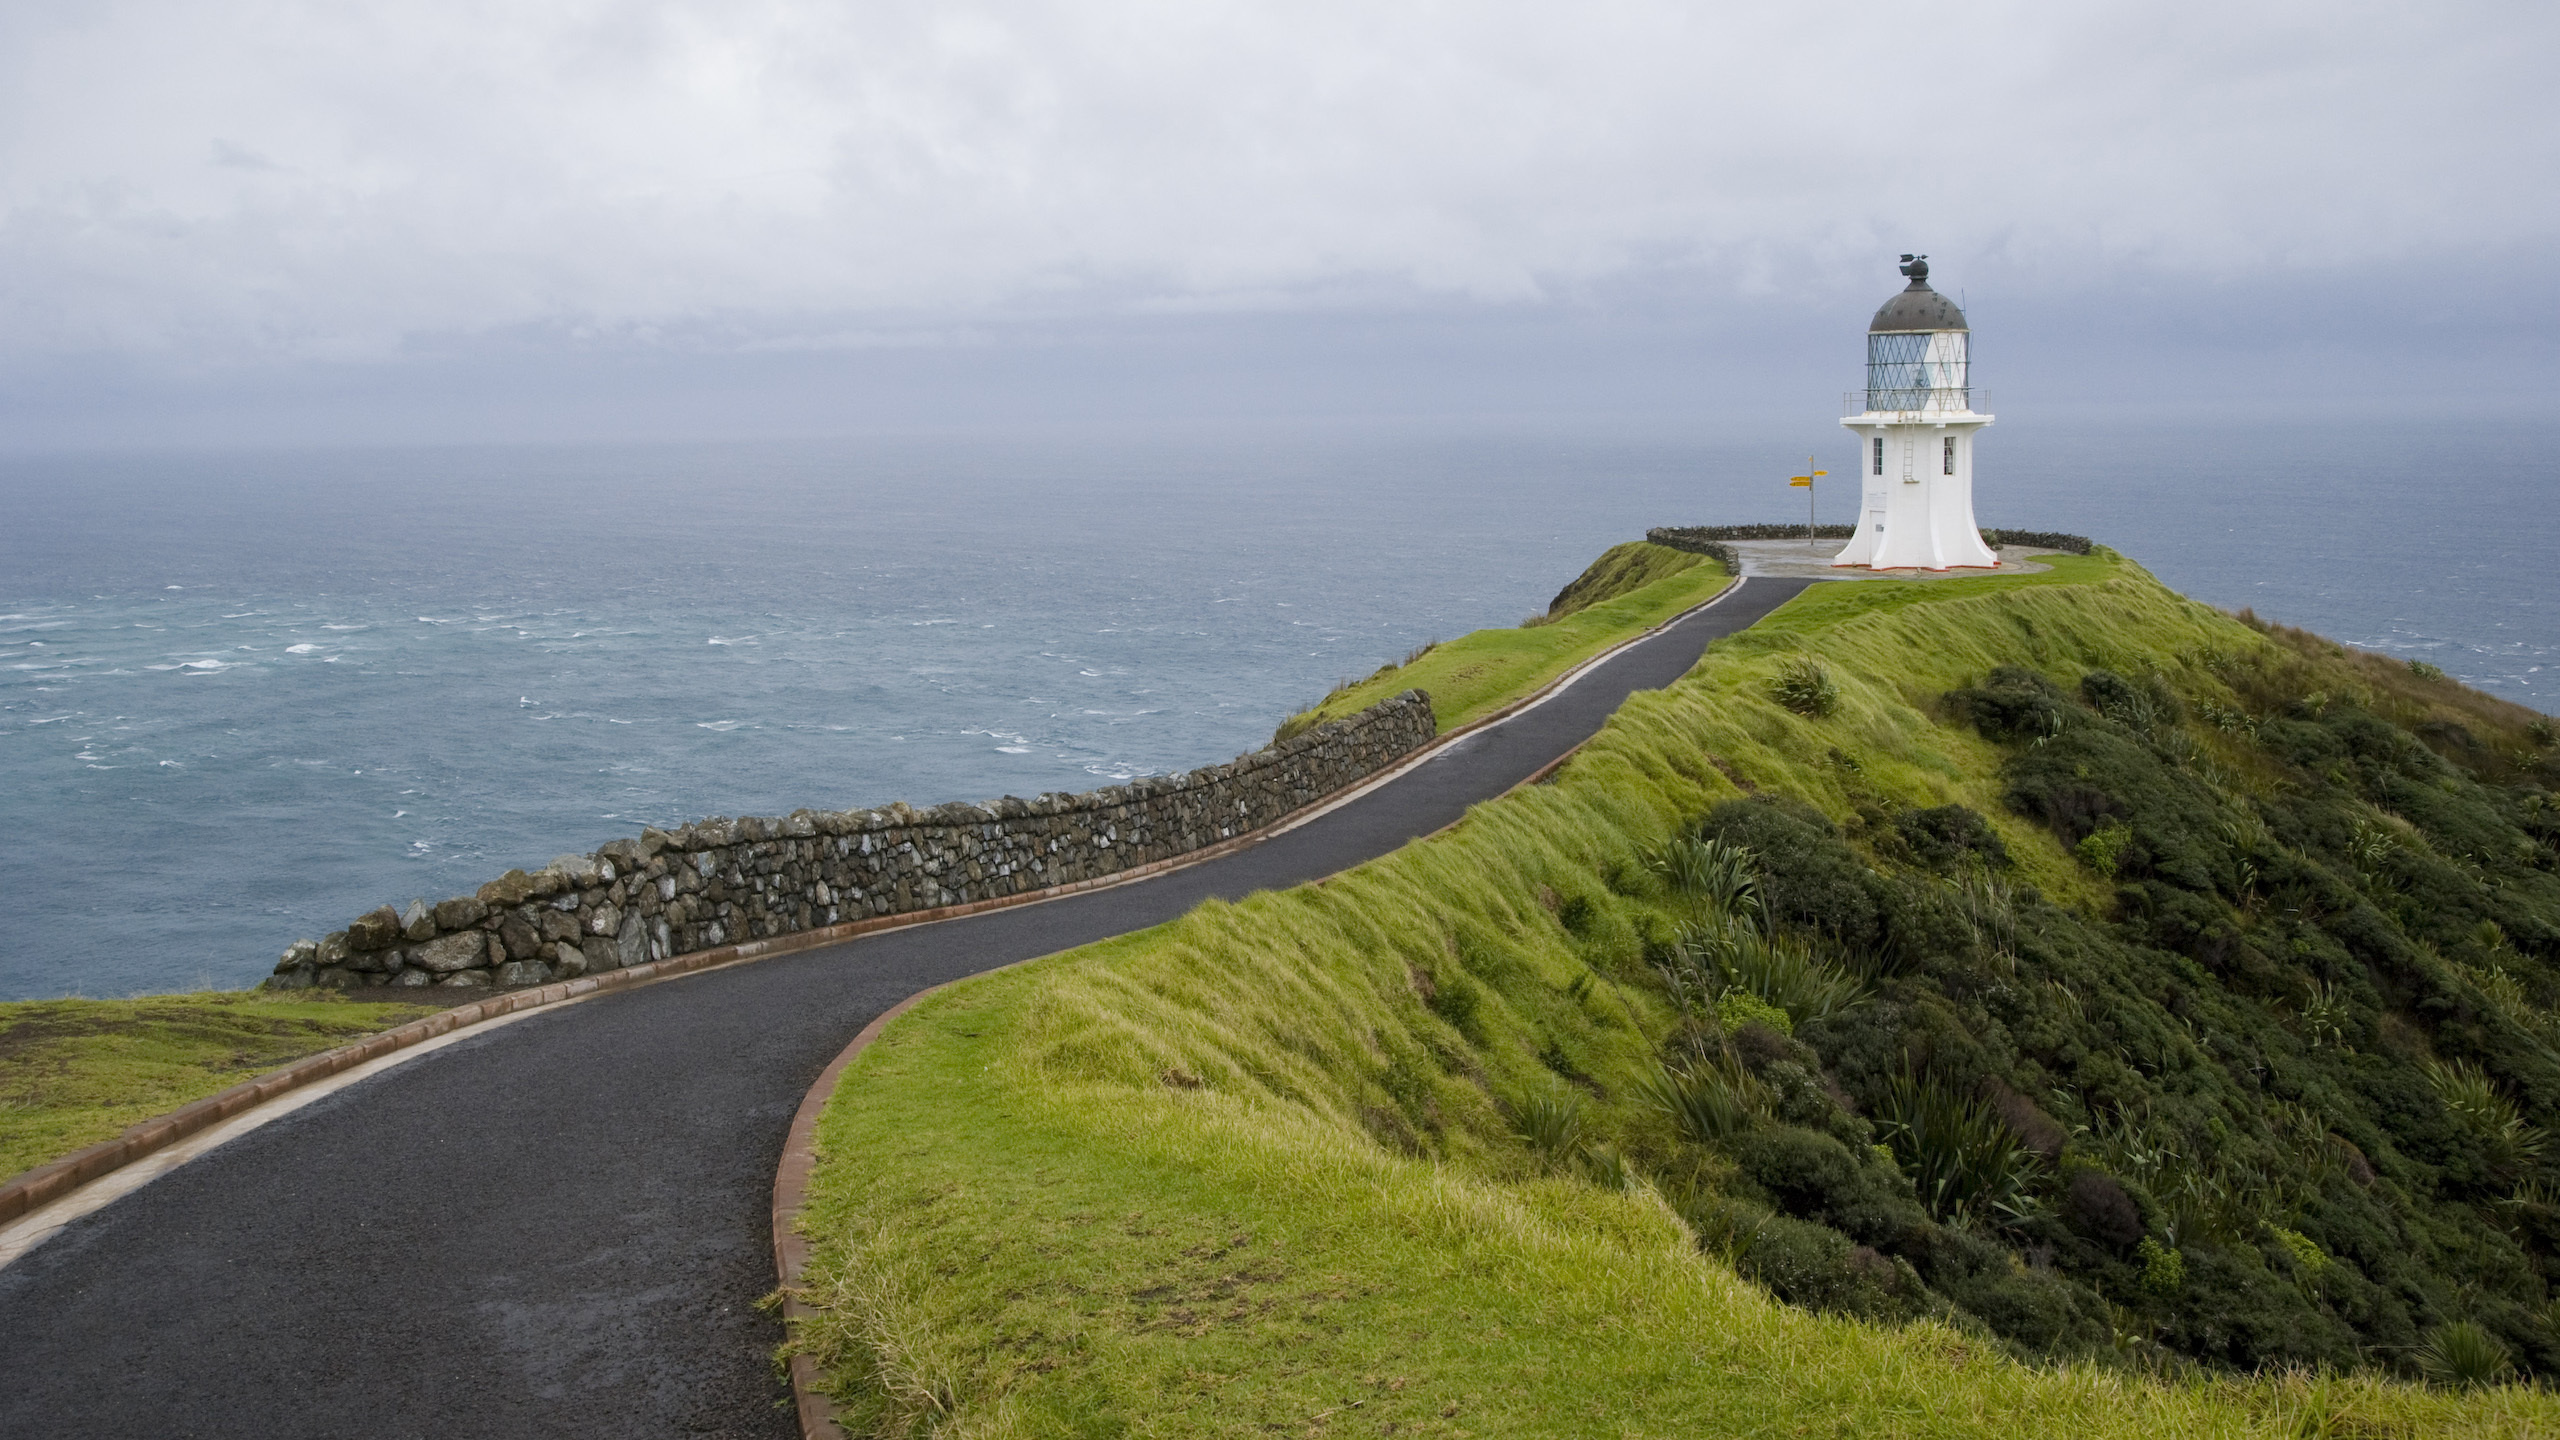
[1806,480]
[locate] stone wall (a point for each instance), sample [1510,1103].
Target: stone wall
[719,882]
[1709,540]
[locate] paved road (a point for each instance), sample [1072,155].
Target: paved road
[560,1228]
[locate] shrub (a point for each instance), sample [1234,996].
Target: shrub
[1710,1104]
[2462,1354]
[1802,685]
[2306,1253]
[1951,838]
[2425,671]
[1725,876]
[1784,971]
[1818,1268]
[2142,706]
[2012,704]
[2090,775]
[2326,1014]
[1814,1177]
[1965,1164]
[1551,1121]
[2485,1113]
[2095,1204]
[2032,1307]
[1983,903]
[1808,875]
[2102,849]
[1738,1008]
[2164,1270]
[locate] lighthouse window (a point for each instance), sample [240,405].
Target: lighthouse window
[1879,454]
[1950,461]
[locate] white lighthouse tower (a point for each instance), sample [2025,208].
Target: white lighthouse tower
[1915,437]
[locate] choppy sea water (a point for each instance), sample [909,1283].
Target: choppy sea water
[244,697]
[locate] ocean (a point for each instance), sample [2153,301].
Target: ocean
[247,696]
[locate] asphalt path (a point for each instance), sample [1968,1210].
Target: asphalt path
[560,1228]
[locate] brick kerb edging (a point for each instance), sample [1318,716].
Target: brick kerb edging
[799,1148]
[791,1195]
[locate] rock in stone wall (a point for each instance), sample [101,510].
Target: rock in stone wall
[719,882]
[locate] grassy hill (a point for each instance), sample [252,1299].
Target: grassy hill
[2011,1005]
[1627,591]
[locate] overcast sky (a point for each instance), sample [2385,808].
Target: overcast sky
[412,219]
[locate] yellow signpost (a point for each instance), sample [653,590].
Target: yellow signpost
[1806,481]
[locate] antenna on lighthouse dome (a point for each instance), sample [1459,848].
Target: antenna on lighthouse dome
[1917,267]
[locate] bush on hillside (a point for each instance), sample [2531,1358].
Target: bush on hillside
[1802,685]
[1816,1177]
[1808,876]
[2286,1103]
[1818,1268]
[1951,839]
[2012,704]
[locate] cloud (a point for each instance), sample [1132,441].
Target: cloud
[322,180]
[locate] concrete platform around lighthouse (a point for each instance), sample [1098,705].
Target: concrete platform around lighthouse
[1797,560]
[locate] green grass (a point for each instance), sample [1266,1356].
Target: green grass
[1620,570]
[1629,590]
[1254,1170]
[1827,605]
[75,1072]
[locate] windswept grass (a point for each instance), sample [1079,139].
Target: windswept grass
[1620,570]
[1628,591]
[75,1072]
[1264,1168]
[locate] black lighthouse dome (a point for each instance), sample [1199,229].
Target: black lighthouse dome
[1919,350]
[1918,307]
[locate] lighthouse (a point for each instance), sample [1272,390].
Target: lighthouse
[1915,426]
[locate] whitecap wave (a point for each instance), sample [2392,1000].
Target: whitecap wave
[303,649]
[724,726]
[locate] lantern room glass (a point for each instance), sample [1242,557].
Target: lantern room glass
[1911,370]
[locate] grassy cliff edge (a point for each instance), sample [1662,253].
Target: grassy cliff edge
[1627,591]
